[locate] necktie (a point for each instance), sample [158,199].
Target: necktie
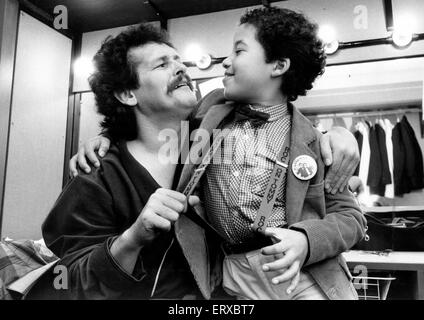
[244,112]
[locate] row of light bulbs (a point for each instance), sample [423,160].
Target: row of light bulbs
[401,37]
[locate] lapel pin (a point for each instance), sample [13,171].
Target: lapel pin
[304,167]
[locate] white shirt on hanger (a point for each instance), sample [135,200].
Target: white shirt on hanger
[388,127]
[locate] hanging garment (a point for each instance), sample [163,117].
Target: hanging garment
[385,171]
[319,126]
[399,157]
[388,127]
[374,170]
[414,157]
[359,139]
[340,122]
[326,123]
[365,155]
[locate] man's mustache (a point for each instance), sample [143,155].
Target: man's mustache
[181,79]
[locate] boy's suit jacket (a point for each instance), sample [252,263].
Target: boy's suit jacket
[332,223]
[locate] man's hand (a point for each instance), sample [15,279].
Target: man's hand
[88,150]
[340,151]
[160,212]
[290,251]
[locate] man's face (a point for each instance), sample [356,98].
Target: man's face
[247,72]
[164,87]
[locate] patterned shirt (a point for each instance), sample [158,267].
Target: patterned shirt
[234,188]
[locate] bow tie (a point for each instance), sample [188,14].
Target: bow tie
[244,112]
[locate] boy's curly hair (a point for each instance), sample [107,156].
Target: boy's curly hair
[115,72]
[284,33]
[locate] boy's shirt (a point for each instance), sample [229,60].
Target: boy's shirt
[235,186]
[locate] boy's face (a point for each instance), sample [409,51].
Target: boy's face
[247,75]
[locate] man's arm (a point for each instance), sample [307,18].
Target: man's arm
[339,151]
[80,229]
[101,258]
[87,151]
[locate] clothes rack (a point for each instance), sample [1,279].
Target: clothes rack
[364,113]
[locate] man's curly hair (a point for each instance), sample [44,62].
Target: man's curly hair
[284,33]
[116,72]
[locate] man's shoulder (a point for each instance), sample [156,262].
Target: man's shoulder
[215,97]
[110,165]
[113,156]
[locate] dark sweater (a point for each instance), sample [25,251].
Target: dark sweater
[92,210]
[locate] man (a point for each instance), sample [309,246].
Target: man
[112,227]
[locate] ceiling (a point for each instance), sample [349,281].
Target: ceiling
[90,15]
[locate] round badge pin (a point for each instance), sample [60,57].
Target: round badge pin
[304,167]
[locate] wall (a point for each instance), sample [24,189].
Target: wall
[216,38]
[361,85]
[380,84]
[91,42]
[89,118]
[214,31]
[38,127]
[9,14]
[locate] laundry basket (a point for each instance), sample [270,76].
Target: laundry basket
[372,288]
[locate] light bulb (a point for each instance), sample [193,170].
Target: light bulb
[204,62]
[327,33]
[331,47]
[328,36]
[403,30]
[402,36]
[83,67]
[193,52]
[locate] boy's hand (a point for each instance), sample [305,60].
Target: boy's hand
[88,150]
[290,250]
[340,151]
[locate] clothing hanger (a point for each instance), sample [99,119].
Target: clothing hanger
[367,121]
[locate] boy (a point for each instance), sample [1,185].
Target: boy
[276,57]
